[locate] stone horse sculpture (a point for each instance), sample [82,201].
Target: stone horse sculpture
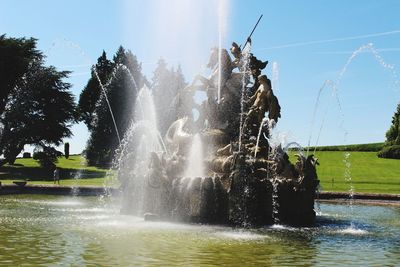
[228,80]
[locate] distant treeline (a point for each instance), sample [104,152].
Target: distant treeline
[373,147]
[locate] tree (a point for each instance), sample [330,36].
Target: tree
[121,94]
[16,56]
[393,134]
[166,85]
[66,150]
[392,144]
[128,59]
[92,91]
[39,112]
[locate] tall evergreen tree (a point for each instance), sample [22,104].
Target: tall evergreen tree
[92,91]
[183,101]
[166,85]
[121,94]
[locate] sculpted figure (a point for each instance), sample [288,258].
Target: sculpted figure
[226,69]
[237,54]
[264,101]
[259,101]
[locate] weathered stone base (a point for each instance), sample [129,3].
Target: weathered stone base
[246,202]
[295,206]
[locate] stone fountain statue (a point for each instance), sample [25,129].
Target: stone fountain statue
[247,181]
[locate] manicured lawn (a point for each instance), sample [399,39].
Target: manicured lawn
[368,172]
[73,172]
[66,182]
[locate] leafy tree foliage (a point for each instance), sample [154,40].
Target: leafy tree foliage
[47,158]
[392,144]
[393,134]
[39,111]
[92,91]
[16,56]
[121,92]
[167,83]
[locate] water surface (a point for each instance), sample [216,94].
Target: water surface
[71,231]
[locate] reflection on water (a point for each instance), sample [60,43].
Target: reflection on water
[50,230]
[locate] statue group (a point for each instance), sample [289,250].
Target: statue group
[247,181]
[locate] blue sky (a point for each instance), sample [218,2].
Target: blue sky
[310,41]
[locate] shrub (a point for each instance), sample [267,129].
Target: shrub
[66,150]
[47,158]
[390,152]
[373,147]
[26,155]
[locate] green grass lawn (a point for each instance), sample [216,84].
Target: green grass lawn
[368,172]
[73,172]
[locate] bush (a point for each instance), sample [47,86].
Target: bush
[390,152]
[374,147]
[66,150]
[47,158]
[26,155]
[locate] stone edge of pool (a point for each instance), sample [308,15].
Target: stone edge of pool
[57,190]
[96,191]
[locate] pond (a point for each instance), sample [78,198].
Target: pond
[79,231]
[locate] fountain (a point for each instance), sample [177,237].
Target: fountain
[221,167]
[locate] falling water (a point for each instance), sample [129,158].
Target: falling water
[222,17]
[245,63]
[195,167]
[334,85]
[108,103]
[75,186]
[275,204]
[295,145]
[140,145]
[1,129]
[219,64]
[275,76]
[262,124]
[348,180]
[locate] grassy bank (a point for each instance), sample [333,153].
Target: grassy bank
[368,172]
[373,147]
[73,172]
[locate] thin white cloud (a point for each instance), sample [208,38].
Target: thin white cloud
[350,52]
[331,40]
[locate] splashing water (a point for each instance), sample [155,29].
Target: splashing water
[348,180]
[103,89]
[275,76]
[219,59]
[195,167]
[264,122]
[295,145]
[141,146]
[275,204]
[245,63]
[334,85]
